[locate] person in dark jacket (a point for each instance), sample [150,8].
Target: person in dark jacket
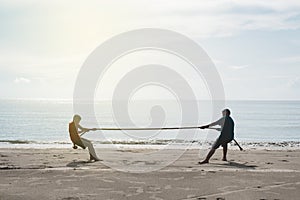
[226,136]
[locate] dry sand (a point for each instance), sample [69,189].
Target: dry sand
[65,174]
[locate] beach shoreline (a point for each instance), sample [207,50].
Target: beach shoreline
[61,173]
[157,144]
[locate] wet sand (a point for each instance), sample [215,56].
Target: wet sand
[66,174]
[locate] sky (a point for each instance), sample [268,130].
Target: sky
[254,44]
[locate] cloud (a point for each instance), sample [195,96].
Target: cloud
[22,80]
[280,76]
[223,18]
[238,67]
[84,24]
[57,38]
[293,82]
[45,67]
[290,59]
[295,42]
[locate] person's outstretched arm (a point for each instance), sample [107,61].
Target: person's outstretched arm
[218,122]
[82,129]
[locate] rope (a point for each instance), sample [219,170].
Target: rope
[150,129]
[146,129]
[163,128]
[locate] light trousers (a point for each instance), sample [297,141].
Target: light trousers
[90,146]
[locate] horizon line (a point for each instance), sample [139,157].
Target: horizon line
[71,99]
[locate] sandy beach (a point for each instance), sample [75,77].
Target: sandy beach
[66,174]
[150,89]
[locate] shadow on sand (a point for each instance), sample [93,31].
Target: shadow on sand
[75,164]
[238,165]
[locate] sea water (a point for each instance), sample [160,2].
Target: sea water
[38,123]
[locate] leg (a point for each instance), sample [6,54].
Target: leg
[90,146]
[224,152]
[209,155]
[215,146]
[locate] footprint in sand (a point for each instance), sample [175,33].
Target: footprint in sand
[212,172]
[150,162]
[284,160]
[71,198]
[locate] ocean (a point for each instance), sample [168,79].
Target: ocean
[44,123]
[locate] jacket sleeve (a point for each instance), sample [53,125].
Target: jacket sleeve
[218,122]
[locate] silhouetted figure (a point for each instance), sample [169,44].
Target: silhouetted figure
[75,129]
[226,136]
